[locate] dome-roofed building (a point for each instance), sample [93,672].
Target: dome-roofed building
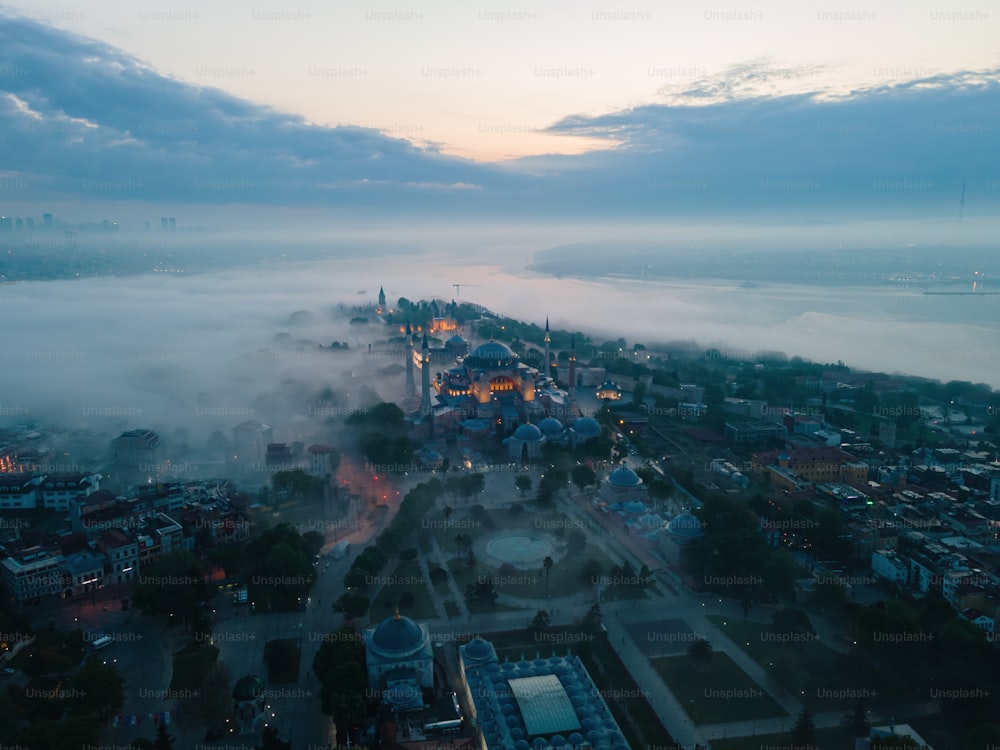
[553,430]
[623,485]
[456,346]
[490,382]
[249,704]
[546,703]
[584,429]
[623,476]
[493,355]
[680,532]
[685,528]
[609,391]
[399,651]
[525,444]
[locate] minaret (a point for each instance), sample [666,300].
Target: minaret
[411,384]
[572,367]
[425,378]
[571,417]
[381,299]
[548,361]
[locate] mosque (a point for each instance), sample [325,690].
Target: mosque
[545,703]
[489,390]
[400,661]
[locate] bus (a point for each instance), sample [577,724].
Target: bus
[102,642]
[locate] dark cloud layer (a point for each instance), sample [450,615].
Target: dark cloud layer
[82,120]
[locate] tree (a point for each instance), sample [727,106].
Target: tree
[482,593]
[279,568]
[804,731]
[296,484]
[540,622]
[99,689]
[211,705]
[746,604]
[592,619]
[271,740]
[791,620]
[700,653]
[858,721]
[583,476]
[352,605]
[447,514]
[548,562]
[523,483]
[173,586]
[590,571]
[163,741]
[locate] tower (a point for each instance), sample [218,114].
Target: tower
[425,378]
[381,299]
[548,361]
[572,367]
[411,385]
[571,416]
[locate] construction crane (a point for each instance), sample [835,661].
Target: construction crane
[458,288]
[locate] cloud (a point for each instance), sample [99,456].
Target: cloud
[84,121]
[904,147]
[81,117]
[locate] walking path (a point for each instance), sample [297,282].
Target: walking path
[457,596]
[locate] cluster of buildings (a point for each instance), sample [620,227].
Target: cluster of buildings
[928,521]
[472,396]
[104,539]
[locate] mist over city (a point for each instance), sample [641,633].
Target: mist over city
[496,378]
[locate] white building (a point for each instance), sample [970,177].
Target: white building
[32,575]
[57,490]
[887,564]
[19,491]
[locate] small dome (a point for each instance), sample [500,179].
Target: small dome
[686,526]
[586,426]
[529,433]
[478,650]
[550,426]
[248,688]
[397,635]
[456,340]
[623,476]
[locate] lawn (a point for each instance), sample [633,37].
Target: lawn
[721,694]
[465,576]
[823,679]
[191,664]
[405,579]
[834,738]
[629,706]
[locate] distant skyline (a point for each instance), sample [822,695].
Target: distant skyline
[778,111]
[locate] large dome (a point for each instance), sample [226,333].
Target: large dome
[550,426]
[685,527]
[477,650]
[528,433]
[623,476]
[586,426]
[397,635]
[492,354]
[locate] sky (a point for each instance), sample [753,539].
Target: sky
[804,109]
